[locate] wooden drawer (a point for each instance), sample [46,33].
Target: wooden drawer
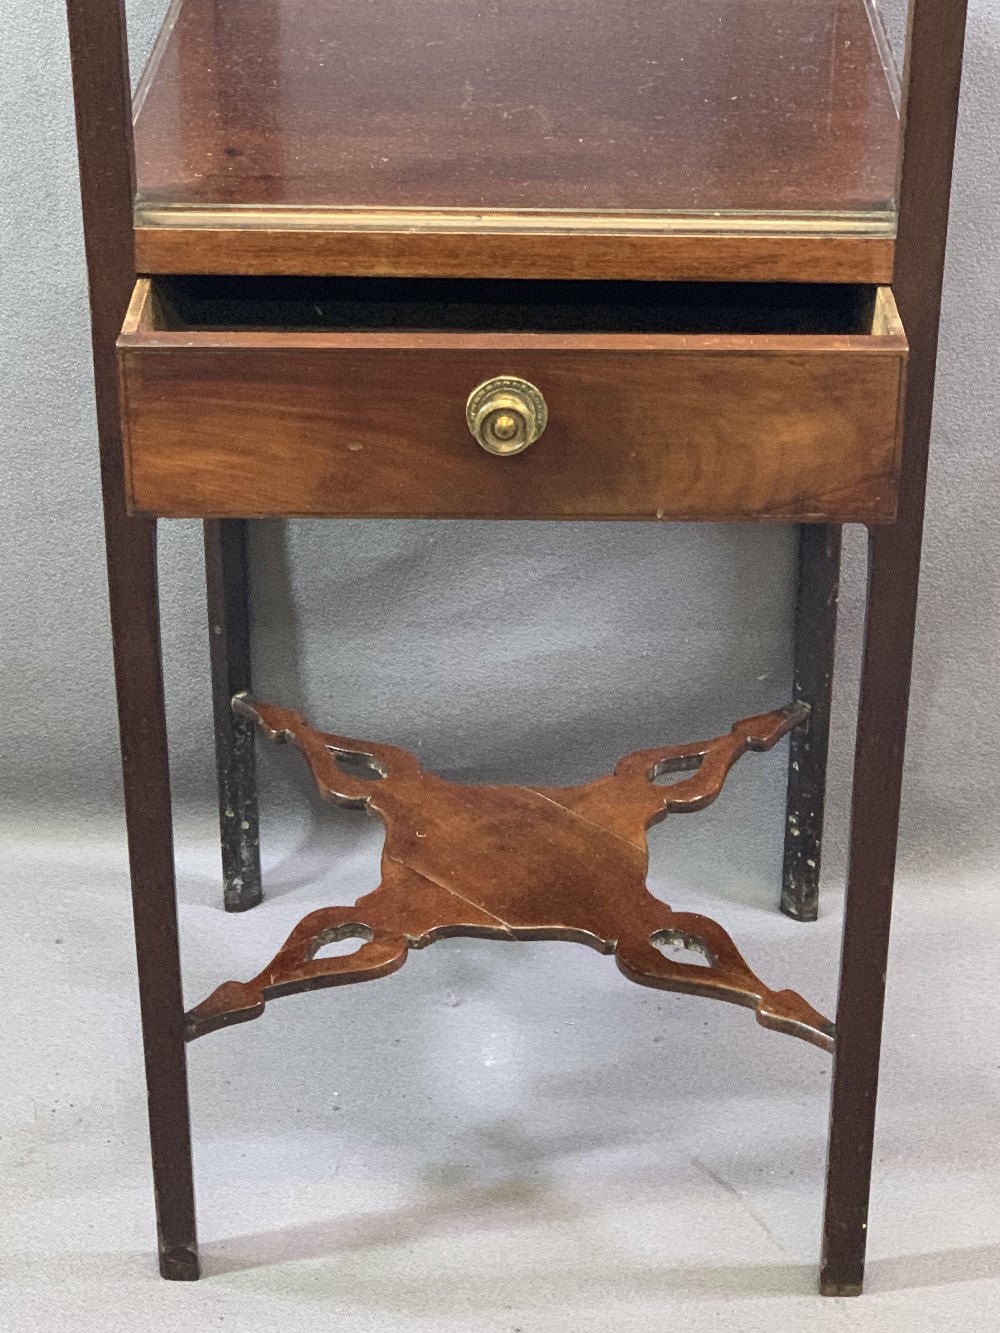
[247,397]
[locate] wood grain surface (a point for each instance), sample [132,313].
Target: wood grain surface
[517,863]
[479,251]
[248,421]
[288,117]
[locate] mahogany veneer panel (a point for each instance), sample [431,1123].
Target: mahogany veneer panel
[224,422]
[577,118]
[517,863]
[476,251]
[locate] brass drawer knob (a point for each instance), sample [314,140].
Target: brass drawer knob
[506,415]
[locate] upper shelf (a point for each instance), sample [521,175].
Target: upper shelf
[614,138]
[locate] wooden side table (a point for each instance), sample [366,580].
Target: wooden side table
[427,260]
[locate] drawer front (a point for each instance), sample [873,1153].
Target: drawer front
[639,426]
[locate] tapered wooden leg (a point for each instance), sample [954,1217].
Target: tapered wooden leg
[815,636]
[229,639]
[103,98]
[136,633]
[893,572]
[932,79]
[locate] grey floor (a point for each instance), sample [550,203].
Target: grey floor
[500,1137]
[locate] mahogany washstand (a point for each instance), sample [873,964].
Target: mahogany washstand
[656,261]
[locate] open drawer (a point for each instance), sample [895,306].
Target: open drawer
[249,397]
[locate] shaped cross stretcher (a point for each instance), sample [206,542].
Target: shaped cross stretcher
[516,863]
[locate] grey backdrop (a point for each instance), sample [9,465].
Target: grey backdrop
[452,1149]
[510,651]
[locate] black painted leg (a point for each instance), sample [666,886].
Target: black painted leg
[815,637]
[229,637]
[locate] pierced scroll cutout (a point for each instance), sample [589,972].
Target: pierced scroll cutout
[516,863]
[354,936]
[361,766]
[674,944]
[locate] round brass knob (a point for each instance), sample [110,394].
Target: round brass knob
[506,414]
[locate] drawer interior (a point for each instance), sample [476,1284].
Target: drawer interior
[334,398]
[358,305]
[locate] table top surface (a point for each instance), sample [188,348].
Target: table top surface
[721,114]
